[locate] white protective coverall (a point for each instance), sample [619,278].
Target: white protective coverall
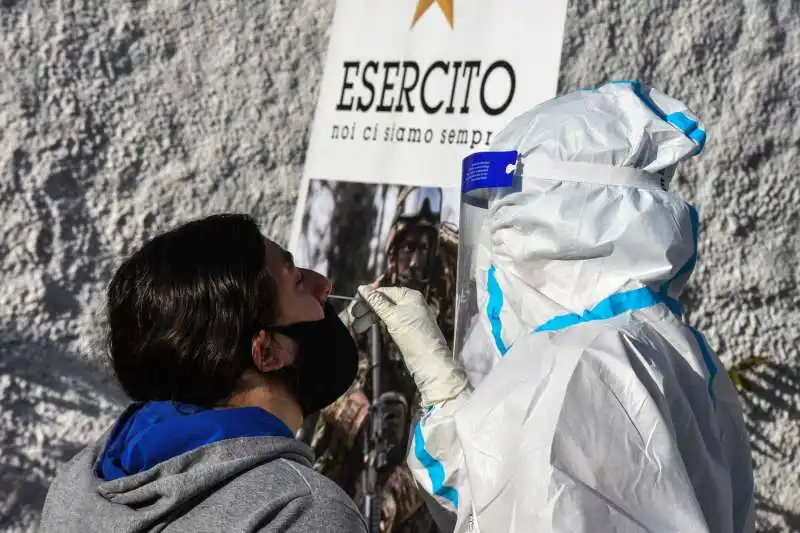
[593,407]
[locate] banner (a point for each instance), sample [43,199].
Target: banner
[410,88]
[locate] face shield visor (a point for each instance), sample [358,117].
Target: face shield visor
[486,177]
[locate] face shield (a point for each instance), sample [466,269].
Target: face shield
[486,177]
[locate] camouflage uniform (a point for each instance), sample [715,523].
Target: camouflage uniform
[338,436]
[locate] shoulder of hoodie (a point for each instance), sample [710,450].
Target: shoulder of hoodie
[310,483]
[289,468]
[310,487]
[317,485]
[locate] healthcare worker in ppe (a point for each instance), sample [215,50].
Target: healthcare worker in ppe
[579,399]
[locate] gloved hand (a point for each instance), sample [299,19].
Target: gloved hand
[358,316]
[413,328]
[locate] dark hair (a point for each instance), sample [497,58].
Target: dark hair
[183,310]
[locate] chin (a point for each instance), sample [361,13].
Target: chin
[319,312]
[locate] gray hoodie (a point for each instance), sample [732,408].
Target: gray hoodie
[247,484]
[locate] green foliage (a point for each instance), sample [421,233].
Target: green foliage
[741,372]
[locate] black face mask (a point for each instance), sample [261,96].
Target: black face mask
[326,363]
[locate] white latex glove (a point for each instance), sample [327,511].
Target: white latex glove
[358,316]
[413,328]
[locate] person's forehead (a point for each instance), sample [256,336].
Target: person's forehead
[276,254]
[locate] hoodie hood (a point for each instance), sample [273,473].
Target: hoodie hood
[162,460]
[155,432]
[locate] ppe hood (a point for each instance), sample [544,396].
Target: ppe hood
[584,224]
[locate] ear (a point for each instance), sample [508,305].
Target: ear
[264,358]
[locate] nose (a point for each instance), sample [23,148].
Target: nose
[318,285]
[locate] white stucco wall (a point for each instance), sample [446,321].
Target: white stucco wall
[121,118]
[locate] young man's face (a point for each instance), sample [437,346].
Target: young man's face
[301,292]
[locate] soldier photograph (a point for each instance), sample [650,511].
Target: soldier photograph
[389,236]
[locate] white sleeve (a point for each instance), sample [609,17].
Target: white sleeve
[436,459]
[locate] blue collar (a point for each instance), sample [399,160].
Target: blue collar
[158,431]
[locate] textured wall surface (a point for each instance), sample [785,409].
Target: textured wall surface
[122,118]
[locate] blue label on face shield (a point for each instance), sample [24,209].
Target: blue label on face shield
[486,170]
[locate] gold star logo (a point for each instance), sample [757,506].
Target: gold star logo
[445,5]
